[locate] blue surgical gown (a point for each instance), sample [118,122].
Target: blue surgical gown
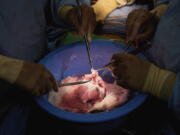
[24,29]
[165,51]
[25,25]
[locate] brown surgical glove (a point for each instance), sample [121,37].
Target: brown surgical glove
[88,19]
[130,70]
[35,79]
[140,26]
[138,74]
[31,77]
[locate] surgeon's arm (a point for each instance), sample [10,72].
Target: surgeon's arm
[137,74]
[34,78]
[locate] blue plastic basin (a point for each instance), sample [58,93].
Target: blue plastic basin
[72,59]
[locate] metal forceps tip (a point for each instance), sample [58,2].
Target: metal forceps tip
[73,83]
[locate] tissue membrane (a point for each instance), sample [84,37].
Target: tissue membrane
[96,95]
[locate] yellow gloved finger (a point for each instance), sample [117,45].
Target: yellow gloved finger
[103,8]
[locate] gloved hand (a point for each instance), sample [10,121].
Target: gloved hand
[135,73]
[88,21]
[31,77]
[140,26]
[35,79]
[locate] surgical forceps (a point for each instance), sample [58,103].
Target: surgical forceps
[85,35]
[72,83]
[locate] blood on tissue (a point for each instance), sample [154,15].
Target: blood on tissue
[94,95]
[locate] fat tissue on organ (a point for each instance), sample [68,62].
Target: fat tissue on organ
[95,95]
